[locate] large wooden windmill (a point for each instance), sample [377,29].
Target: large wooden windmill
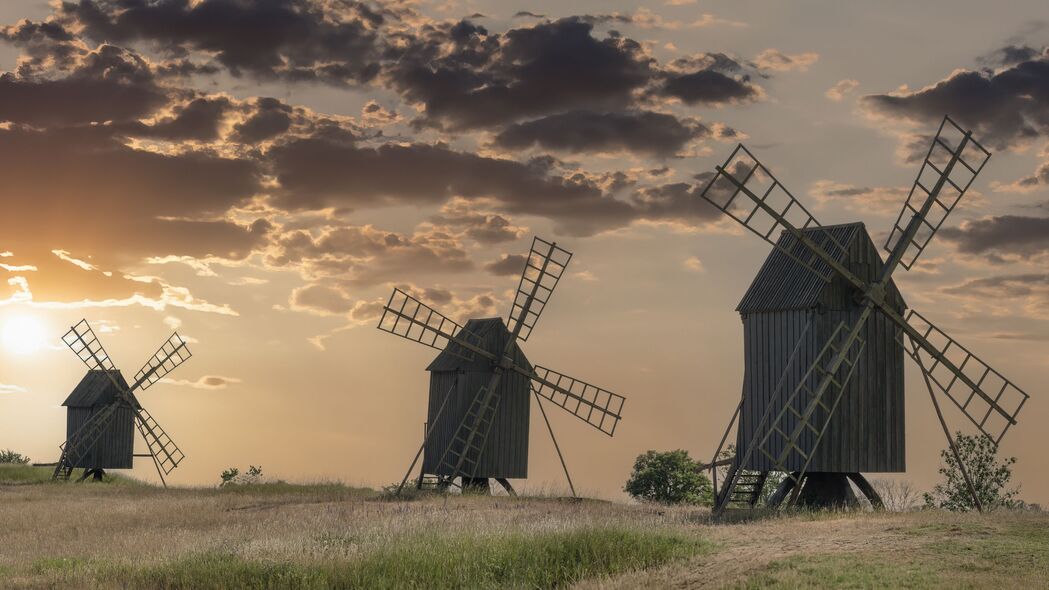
[825,333]
[481,384]
[103,411]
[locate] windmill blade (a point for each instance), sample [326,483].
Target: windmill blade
[409,318]
[171,354]
[82,341]
[597,407]
[768,207]
[543,270]
[951,165]
[988,399]
[164,450]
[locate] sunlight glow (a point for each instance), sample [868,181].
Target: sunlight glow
[22,334]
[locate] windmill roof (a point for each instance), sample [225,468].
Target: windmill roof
[493,335]
[95,389]
[783,283]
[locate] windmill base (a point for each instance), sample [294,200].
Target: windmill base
[828,490]
[483,486]
[96,474]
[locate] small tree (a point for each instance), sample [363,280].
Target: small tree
[670,477]
[898,495]
[9,456]
[233,477]
[990,476]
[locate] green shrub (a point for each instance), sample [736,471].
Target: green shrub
[670,477]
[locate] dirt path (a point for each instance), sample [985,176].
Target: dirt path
[746,548]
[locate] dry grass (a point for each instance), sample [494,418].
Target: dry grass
[286,536]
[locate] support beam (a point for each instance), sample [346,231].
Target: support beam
[556,446]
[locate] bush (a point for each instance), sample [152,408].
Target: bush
[990,477]
[232,476]
[9,456]
[670,477]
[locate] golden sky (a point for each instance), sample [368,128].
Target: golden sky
[259,176]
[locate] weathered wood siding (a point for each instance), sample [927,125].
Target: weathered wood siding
[506,450]
[115,448]
[866,433]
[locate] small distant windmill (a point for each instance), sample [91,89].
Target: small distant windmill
[825,332]
[481,384]
[103,412]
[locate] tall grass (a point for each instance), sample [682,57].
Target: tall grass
[433,561]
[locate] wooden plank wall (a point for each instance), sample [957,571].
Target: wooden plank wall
[506,450]
[115,448]
[867,431]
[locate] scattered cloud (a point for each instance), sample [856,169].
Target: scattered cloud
[694,264]
[838,91]
[777,61]
[645,132]
[8,388]
[209,382]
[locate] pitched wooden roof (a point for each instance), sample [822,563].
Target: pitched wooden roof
[493,336]
[95,389]
[783,283]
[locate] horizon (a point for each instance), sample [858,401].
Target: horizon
[263,195]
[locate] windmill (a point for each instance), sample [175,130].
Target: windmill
[103,411]
[481,384]
[825,332]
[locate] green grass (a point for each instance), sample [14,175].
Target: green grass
[1010,552]
[17,474]
[546,560]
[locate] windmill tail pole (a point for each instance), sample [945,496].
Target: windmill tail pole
[947,433]
[556,446]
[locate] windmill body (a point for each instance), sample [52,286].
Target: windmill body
[505,453]
[788,314]
[115,446]
[481,384]
[826,331]
[103,411]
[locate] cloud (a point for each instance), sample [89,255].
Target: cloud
[347,257]
[294,40]
[110,84]
[466,77]
[838,91]
[210,382]
[644,132]
[1007,107]
[485,227]
[270,119]
[707,79]
[8,388]
[880,200]
[694,264]
[1007,294]
[1001,238]
[507,265]
[777,61]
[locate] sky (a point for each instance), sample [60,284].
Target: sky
[259,175]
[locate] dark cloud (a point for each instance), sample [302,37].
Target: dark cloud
[270,119]
[507,264]
[297,40]
[1007,107]
[119,203]
[998,237]
[1010,55]
[468,77]
[646,132]
[527,14]
[483,227]
[1026,294]
[200,120]
[110,84]
[316,173]
[708,87]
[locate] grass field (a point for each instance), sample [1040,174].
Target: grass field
[127,535]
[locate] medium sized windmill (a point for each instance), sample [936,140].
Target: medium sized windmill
[481,384]
[103,411]
[826,330]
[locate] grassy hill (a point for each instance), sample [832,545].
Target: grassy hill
[328,535]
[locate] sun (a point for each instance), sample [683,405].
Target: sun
[22,334]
